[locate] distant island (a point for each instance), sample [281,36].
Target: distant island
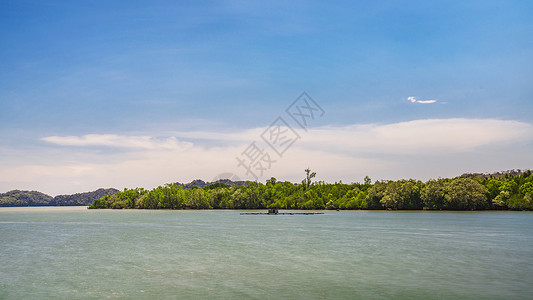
[34,198]
[17,198]
[509,190]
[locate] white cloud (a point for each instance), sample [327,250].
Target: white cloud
[419,148]
[421,136]
[415,100]
[411,137]
[113,140]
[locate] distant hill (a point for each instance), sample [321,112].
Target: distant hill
[200,183]
[25,198]
[34,198]
[82,198]
[496,174]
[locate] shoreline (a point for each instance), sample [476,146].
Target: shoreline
[243,211]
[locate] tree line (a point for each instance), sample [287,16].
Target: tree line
[509,192]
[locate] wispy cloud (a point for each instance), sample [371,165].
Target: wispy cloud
[421,136]
[410,137]
[415,100]
[113,140]
[406,138]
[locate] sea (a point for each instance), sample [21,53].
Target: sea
[76,253]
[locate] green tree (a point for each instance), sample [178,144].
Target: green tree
[466,194]
[221,197]
[403,194]
[308,177]
[100,203]
[493,186]
[198,199]
[391,195]
[526,188]
[375,194]
[433,194]
[500,201]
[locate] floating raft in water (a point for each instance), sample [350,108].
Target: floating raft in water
[276,212]
[289,213]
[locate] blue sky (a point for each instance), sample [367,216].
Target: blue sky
[139,93]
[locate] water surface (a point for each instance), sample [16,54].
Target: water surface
[72,253]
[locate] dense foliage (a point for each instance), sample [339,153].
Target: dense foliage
[33,198]
[510,191]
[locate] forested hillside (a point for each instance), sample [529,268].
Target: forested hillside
[33,198]
[513,191]
[82,198]
[25,198]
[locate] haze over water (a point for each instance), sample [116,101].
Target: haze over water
[70,253]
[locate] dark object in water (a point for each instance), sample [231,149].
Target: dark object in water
[275,211]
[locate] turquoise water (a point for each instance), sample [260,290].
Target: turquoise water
[75,253]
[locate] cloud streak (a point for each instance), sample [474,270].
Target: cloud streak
[410,137]
[405,138]
[119,141]
[415,100]
[421,136]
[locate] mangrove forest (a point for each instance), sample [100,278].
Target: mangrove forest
[499,191]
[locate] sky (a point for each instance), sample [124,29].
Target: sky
[131,94]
